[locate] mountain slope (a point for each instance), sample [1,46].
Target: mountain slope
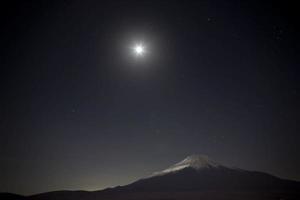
[198,173]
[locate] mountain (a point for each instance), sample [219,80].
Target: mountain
[195,177]
[199,173]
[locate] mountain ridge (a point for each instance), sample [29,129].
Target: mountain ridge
[195,177]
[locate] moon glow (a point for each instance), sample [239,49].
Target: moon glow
[139,49]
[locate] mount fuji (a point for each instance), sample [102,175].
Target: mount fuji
[199,173]
[195,177]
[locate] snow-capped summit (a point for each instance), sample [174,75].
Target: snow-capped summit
[193,161]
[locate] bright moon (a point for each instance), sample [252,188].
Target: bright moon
[139,50]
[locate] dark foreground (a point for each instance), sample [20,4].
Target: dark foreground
[209,195]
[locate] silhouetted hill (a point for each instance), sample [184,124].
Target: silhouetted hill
[10,196]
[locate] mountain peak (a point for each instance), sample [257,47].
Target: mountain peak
[198,161]
[194,161]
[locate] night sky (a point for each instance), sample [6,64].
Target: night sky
[79,111]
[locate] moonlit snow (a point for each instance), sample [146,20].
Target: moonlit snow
[194,161]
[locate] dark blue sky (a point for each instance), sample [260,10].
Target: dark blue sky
[79,112]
